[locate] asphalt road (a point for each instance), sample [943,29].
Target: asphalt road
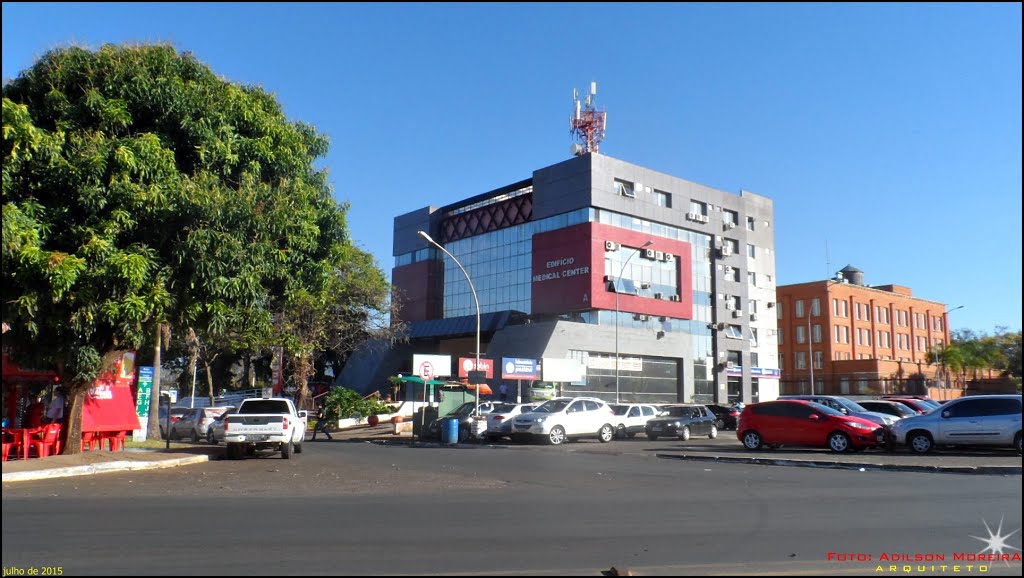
[360,508]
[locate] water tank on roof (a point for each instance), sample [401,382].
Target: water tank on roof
[853,275]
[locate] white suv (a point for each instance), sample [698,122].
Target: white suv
[975,420]
[631,418]
[566,417]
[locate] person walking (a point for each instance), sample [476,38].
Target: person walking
[323,419]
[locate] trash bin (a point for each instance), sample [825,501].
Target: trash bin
[450,430]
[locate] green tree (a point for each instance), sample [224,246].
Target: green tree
[142,192]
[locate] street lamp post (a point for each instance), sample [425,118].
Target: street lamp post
[617,281]
[476,366]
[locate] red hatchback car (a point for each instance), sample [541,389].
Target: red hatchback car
[804,423]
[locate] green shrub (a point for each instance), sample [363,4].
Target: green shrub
[347,403]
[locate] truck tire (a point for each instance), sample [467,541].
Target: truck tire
[286,450]
[298,448]
[235,452]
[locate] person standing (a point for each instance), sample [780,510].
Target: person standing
[55,413]
[34,413]
[503,392]
[322,421]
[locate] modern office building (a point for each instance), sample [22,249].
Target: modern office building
[594,259]
[856,339]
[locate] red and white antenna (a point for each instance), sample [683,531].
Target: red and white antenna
[587,124]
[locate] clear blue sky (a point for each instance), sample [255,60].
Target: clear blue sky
[890,132]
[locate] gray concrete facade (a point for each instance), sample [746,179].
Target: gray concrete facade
[736,267]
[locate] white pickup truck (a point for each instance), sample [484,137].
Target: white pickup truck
[261,423]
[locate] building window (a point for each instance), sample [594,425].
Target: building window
[815,307]
[754,359]
[801,360]
[698,207]
[662,199]
[752,278]
[750,223]
[730,218]
[846,309]
[799,307]
[732,273]
[816,332]
[818,361]
[751,251]
[801,334]
[857,307]
[624,188]
[835,307]
[782,363]
[753,337]
[837,333]
[846,335]
[734,331]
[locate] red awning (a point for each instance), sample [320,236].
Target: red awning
[12,372]
[109,407]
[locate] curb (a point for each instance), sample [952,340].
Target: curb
[975,470]
[121,466]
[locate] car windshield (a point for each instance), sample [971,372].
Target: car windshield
[620,409]
[902,409]
[826,409]
[677,412]
[849,405]
[464,409]
[503,408]
[553,406]
[928,403]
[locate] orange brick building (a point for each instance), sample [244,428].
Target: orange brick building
[855,339]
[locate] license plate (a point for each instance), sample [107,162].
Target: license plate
[656,428]
[257,438]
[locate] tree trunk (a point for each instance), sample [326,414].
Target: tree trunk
[76,401]
[153,428]
[303,366]
[209,383]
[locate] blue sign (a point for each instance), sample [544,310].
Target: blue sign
[765,372]
[145,371]
[517,368]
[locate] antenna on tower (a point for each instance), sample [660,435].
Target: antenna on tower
[587,124]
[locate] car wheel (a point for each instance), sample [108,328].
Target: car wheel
[556,436]
[684,434]
[606,433]
[838,442]
[1016,442]
[713,433]
[920,442]
[720,424]
[463,434]
[620,432]
[298,448]
[195,437]
[652,437]
[286,450]
[752,440]
[209,437]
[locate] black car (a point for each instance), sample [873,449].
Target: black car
[725,415]
[682,421]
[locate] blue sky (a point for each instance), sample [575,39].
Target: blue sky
[889,133]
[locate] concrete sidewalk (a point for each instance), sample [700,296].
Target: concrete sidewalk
[133,459]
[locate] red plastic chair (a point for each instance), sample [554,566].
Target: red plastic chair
[49,440]
[7,449]
[90,439]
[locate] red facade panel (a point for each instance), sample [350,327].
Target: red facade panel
[569,275]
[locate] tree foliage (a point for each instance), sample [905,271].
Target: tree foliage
[141,189]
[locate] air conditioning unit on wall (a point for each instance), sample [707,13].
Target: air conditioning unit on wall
[611,246]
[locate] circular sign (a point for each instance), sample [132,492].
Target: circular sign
[426,370]
[467,365]
[510,367]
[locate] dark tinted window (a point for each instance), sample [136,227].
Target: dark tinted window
[967,408]
[774,408]
[264,406]
[999,406]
